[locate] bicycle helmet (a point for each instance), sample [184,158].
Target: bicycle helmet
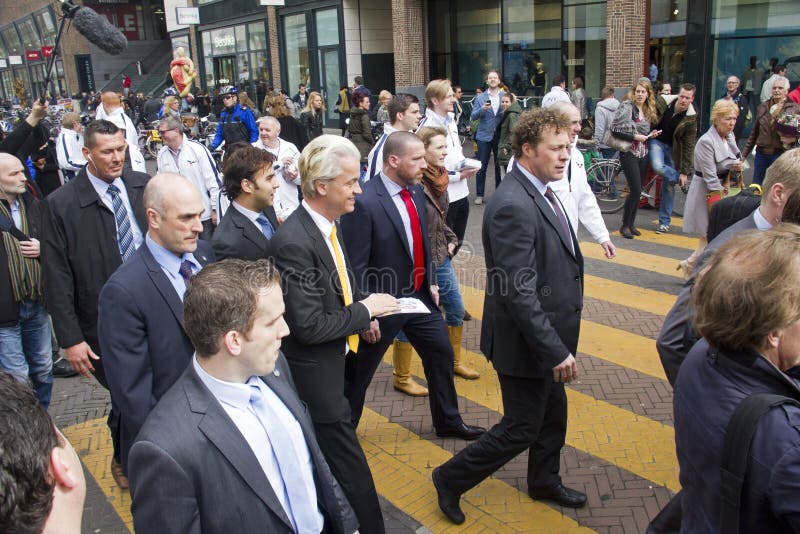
[228,90]
[169,91]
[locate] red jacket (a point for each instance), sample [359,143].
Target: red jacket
[794,96]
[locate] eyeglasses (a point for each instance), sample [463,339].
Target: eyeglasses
[162,132]
[227,97]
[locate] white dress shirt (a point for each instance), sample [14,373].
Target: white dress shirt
[394,192]
[251,216]
[102,191]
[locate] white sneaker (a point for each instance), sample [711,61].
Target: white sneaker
[478,201]
[663,229]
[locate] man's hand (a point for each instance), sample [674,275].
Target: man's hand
[214,218]
[683,180]
[380,304]
[609,249]
[373,335]
[78,356]
[30,248]
[487,105]
[468,173]
[435,294]
[38,111]
[566,371]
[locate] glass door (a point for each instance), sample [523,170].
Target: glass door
[329,81]
[225,70]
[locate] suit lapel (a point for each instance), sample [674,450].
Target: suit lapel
[217,426]
[320,246]
[162,283]
[391,210]
[249,230]
[547,210]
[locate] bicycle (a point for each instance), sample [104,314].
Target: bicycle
[609,186]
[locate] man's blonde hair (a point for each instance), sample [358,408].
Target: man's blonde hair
[320,161]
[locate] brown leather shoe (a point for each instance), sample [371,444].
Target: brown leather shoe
[119,476]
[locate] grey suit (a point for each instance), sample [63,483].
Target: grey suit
[191,470]
[532,313]
[672,340]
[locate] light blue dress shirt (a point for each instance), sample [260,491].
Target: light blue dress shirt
[102,191]
[171,264]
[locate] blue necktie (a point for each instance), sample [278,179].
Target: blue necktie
[185,270]
[303,514]
[266,227]
[124,231]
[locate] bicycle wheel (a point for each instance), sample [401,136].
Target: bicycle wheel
[604,175]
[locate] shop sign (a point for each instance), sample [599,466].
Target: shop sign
[224,41]
[272,2]
[33,55]
[15,60]
[188,15]
[3,63]
[574,62]
[47,51]
[83,66]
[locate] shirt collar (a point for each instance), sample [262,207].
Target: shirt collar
[250,214]
[169,260]
[761,222]
[430,114]
[392,187]
[324,225]
[101,186]
[538,184]
[233,394]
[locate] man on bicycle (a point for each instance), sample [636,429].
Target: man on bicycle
[236,123]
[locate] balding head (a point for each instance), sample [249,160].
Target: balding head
[404,158]
[12,177]
[398,143]
[574,114]
[174,206]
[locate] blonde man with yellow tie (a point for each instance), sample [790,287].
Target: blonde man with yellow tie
[328,315]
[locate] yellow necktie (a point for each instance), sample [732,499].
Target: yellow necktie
[340,269]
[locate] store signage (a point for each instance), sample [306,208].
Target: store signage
[188,15]
[272,2]
[83,65]
[3,63]
[47,51]
[15,60]
[33,55]
[574,62]
[224,41]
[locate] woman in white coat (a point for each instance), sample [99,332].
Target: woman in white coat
[715,154]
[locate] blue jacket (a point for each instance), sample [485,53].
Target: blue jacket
[245,116]
[488,120]
[710,386]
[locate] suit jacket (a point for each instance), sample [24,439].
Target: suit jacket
[9,308]
[672,340]
[144,347]
[237,237]
[318,320]
[80,252]
[534,286]
[381,258]
[192,471]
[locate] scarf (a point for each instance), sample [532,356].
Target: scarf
[26,273]
[437,179]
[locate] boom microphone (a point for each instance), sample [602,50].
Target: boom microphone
[97,29]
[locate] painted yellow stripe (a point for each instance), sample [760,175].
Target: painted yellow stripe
[607,343]
[633,442]
[401,463]
[630,296]
[92,441]
[632,258]
[678,240]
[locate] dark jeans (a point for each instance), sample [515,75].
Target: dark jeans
[457,215]
[760,165]
[635,169]
[534,418]
[608,153]
[486,149]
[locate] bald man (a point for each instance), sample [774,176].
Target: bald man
[286,158]
[25,338]
[111,109]
[140,323]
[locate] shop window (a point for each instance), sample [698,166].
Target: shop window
[477,41]
[584,45]
[296,39]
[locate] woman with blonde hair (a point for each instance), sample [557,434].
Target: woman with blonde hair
[291,129]
[632,123]
[383,111]
[172,106]
[715,154]
[246,102]
[311,117]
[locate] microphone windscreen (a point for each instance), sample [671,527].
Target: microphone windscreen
[99,31]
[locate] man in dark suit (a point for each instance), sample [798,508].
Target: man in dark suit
[90,226]
[326,311]
[230,447]
[142,340]
[387,237]
[250,222]
[532,314]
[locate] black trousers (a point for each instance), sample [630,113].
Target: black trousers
[535,418]
[428,335]
[113,414]
[457,215]
[635,170]
[348,464]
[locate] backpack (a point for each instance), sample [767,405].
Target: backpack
[731,210]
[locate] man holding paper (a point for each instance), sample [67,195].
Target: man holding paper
[387,237]
[326,312]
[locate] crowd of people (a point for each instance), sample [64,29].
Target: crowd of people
[237,317]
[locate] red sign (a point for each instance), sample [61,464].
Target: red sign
[33,55]
[47,51]
[123,17]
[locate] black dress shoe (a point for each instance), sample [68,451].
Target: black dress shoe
[448,501]
[635,231]
[559,494]
[626,232]
[464,431]
[63,369]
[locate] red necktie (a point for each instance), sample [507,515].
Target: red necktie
[416,234]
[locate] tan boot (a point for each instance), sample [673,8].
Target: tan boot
[462,370]
[403,382]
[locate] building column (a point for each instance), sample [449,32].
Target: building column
[627,46]
[410,46]
[274,50]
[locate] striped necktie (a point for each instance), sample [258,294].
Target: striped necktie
[124,231]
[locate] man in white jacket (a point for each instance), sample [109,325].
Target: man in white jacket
[111,109]
[68,146]
[191,159]
[286,156]
[574,192]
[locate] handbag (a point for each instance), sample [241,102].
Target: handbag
[615,142]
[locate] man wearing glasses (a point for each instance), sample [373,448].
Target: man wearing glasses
[181,155]
[236,123]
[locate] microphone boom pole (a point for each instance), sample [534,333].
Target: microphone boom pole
[68,9]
